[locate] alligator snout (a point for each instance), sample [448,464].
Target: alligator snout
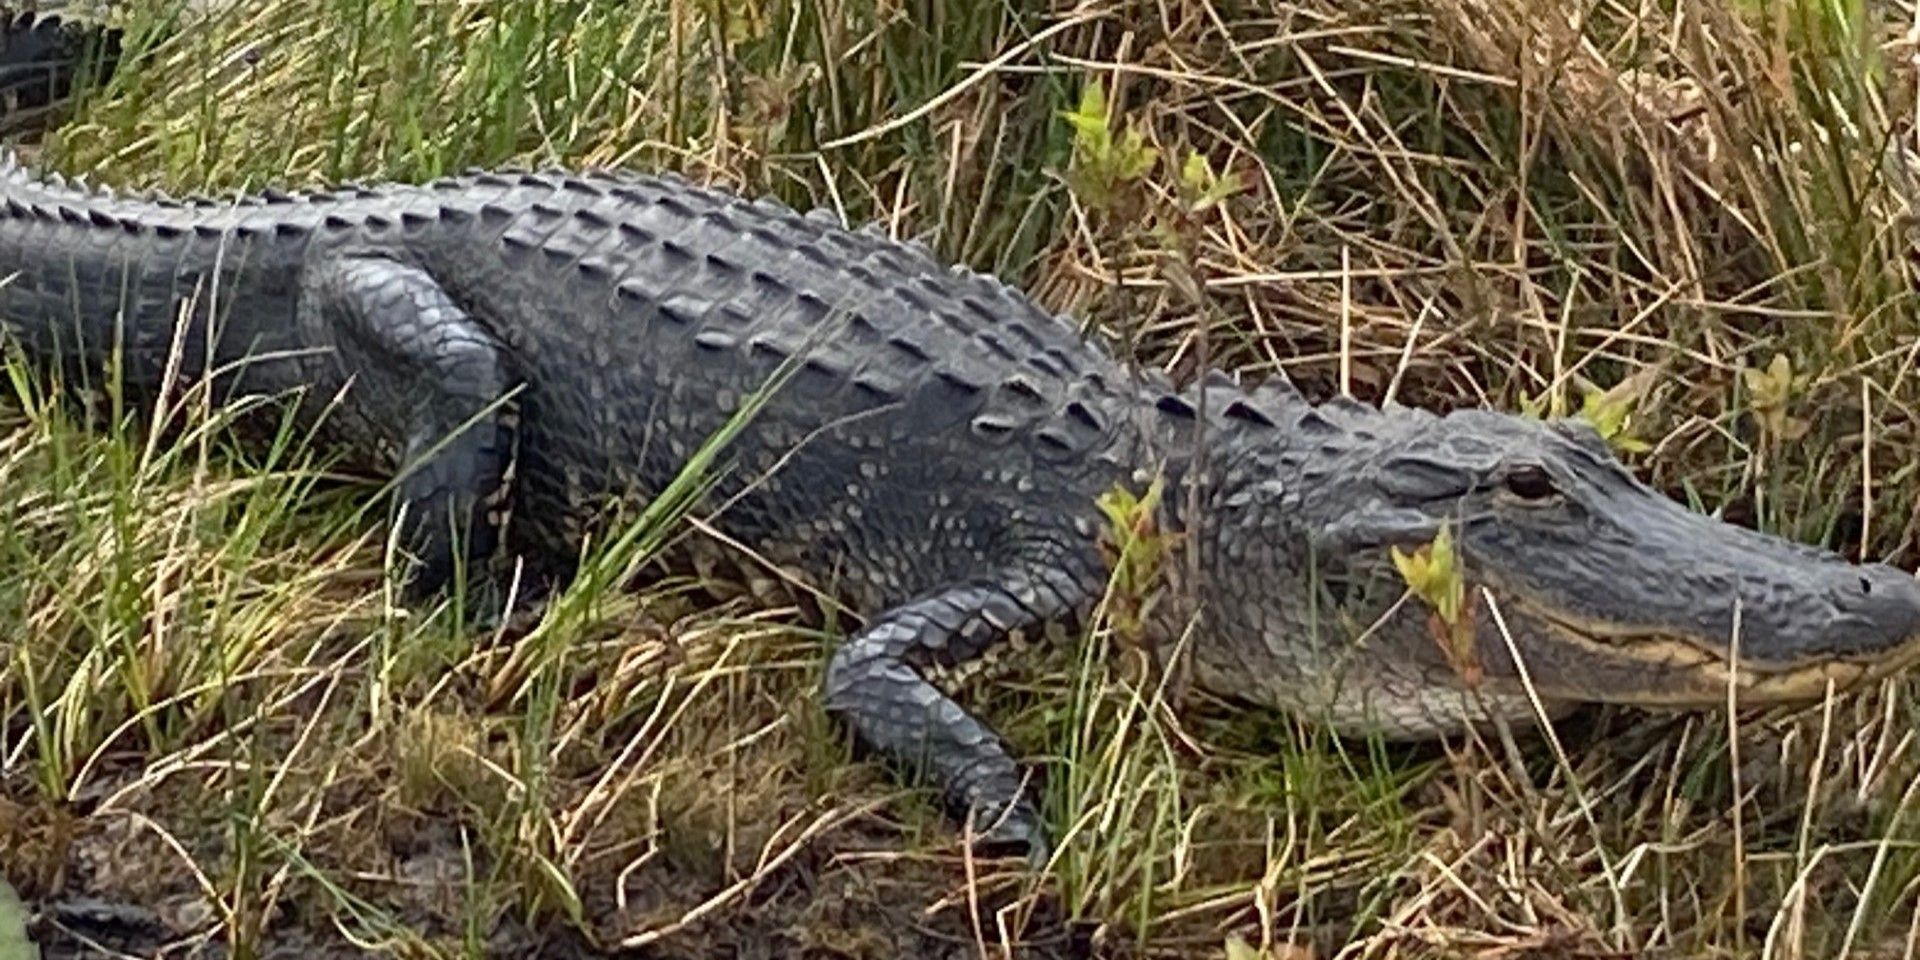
[1830,612]
[1877,612]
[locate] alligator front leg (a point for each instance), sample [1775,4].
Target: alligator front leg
[874,683]
[415,360]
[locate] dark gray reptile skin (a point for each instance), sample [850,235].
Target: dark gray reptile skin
[40,56]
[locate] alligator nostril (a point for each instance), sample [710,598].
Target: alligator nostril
[1866,586]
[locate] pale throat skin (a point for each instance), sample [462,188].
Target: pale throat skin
[934,457]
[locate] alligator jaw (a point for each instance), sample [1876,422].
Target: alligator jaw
[1699,674]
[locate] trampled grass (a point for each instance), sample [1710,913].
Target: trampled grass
[221,727]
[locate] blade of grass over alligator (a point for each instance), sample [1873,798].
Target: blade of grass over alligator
[933,456]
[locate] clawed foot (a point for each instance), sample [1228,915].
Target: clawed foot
[491,605]
[1020,831]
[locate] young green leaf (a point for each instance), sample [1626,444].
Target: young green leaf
[1432,572]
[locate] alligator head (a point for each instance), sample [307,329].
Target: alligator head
[1583,583]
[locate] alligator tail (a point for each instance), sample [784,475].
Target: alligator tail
[42,57]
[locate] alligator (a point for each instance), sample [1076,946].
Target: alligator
[530,352]
[43,57]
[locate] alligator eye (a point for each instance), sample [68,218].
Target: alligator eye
[1530,483]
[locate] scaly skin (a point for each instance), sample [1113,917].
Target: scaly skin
[934,459]
[41,55]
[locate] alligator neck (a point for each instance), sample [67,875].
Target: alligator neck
[1221,437]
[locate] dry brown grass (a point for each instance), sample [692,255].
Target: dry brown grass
[1446,202]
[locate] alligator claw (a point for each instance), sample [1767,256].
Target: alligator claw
[485,607]
[1019,831]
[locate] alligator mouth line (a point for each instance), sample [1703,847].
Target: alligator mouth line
[1687,670]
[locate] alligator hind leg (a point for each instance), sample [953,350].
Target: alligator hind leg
[874,683]
[420,369]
